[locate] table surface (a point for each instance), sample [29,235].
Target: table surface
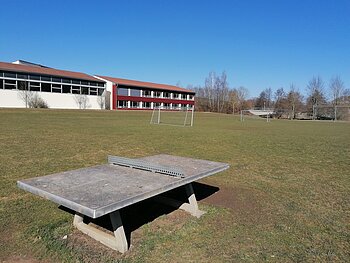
[99,190]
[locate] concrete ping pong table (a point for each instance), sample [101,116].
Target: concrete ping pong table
[105,189]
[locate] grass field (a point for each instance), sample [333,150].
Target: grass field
[286,197]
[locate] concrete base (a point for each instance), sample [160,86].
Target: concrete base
[190,207]
[117,241]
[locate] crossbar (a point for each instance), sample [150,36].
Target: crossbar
[147,166]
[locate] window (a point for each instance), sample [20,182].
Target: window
[93,91]
[135,92]
[22,76]
[176,95]
[85,90]
[166,94]
[45,78]
[100,91]
[166,105]
[34,86]
[1,74]
[183,96]
[56,80]
[122,91]
[157,94]
[45,87]
[84,82]
[66,80]
[9,84]
[34,77]
[122,103]
[22,85]
[56,88]
[75,89]
[101,84]
[93,83]
[66,88]
[190,97]
[146,93]
[1,84]
[156,105]
[74,81]
[10,75]
[147,105]
[134,104]
[10,81]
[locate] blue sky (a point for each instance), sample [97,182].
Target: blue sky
[259,44]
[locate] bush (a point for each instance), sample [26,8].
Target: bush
[37,102]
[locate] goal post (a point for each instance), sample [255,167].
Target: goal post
[181,116]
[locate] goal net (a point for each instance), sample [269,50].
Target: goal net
[176,117]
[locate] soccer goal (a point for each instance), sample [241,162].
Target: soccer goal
[177,117]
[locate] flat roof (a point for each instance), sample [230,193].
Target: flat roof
[46,71]
[143,84]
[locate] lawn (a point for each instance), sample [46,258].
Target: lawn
[286,197]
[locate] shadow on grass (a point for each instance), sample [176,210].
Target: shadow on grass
[141,213]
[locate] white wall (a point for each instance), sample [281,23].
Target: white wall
[109,87]
[11,99]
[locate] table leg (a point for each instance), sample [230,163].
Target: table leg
[117,241]
[118,231]
[190,207]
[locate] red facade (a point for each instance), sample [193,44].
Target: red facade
[156,100]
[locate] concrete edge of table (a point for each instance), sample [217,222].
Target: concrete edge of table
[95,213]
[57,199]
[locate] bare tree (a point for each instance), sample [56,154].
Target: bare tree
[107,99]
[24,93]
[222,91]
[209,89]
[238,97]
[268,92]
[242,94]
[265,99]
[316,94]
[280,102]
[337,89]
[295,100]
[233,97]
[101,100]
[82,101]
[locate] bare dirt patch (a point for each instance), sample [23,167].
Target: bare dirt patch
[88,249]
[243,203]
[134,217]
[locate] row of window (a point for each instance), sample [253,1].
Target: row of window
[145,105]
[48,87]
[24,76]
[147,93]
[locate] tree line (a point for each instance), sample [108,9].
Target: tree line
[217,96]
